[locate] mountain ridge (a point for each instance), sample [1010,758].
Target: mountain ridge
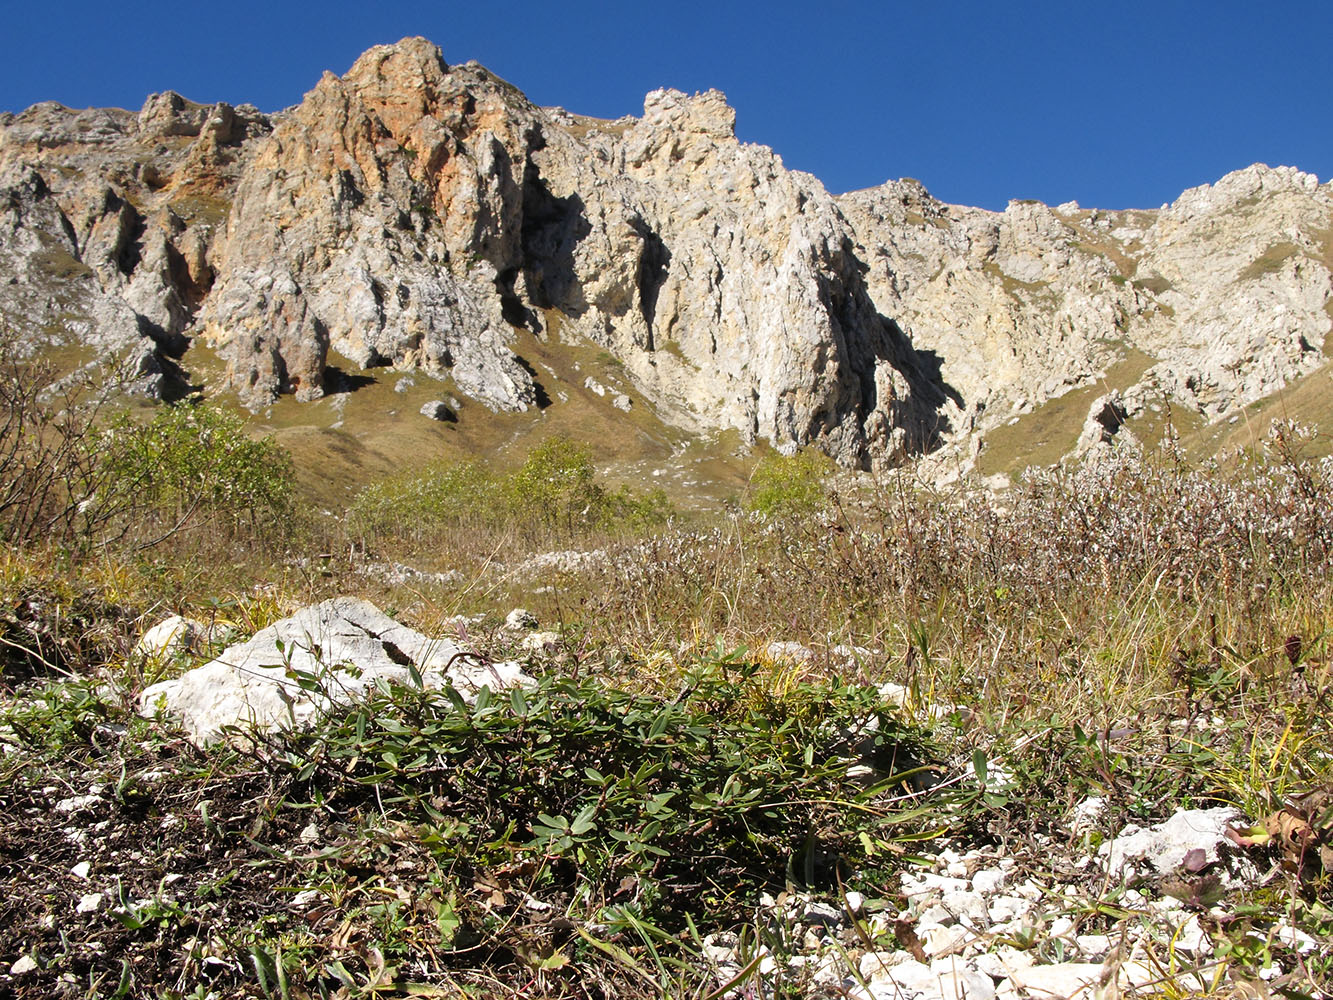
[421,217]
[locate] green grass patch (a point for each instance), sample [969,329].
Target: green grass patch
[1049,432]
[1270,261]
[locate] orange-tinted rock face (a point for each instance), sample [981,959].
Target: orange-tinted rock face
[415,214]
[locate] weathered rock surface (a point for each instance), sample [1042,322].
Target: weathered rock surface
[1192,835]
[172,636]
[1210,303]
[107,225]
[427,217]
[346,644]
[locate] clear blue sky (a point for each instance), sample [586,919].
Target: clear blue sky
[1115,104]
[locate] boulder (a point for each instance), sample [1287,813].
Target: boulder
[438,409]
[171,636]
[346,644]
[1190,833]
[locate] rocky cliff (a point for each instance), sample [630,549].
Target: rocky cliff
[418,216]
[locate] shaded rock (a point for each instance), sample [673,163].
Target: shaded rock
[1106,417]
[521,618]
[1087,814]
[346,644]
[438,409]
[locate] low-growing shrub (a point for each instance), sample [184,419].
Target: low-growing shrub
[195,462]
[555,493]
[790,486]
[72,477]
[418,504]
[50,463]
[698,801]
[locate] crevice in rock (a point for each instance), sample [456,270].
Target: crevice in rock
[130,252]
[551,229]
[512,309]
[654,264]
[543,400]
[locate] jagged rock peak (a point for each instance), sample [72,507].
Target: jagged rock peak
[425,216]
[705,114]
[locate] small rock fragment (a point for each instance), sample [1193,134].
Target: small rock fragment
[1166,845]
[89,903]
[520,618]
[438,409]
[23,965]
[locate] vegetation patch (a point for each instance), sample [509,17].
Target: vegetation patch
[1050,432]
[556,491]
[1270,261]
[949,667]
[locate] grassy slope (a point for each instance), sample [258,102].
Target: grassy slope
[348,439]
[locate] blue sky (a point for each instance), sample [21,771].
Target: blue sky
[1116,104]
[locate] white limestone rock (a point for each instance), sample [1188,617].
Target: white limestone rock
[521,619]
[437,409]
[1165,846]
[543,643]
[171,636]
[346,644]
[988,881]
[781,651]
[23,965]
[1080,980]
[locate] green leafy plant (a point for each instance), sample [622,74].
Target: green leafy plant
[789,486]
[193,462]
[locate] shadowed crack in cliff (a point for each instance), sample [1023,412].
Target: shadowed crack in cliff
[654,263]
[552,228]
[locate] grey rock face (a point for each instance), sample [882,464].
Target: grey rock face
[1210,304]
[107,221]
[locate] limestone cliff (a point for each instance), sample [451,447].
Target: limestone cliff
[1223,296]
[419,216]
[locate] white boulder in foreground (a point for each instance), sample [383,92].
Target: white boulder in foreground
[171,636]
[347,643]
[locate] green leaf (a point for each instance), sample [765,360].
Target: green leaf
[554,822]
[583,822]
[129,919]
[448,921]
[455,699]
[265,969]
[979,764]
[660,724]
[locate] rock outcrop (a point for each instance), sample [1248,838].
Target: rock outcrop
[427,217]
[1215,301]
[322,656]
